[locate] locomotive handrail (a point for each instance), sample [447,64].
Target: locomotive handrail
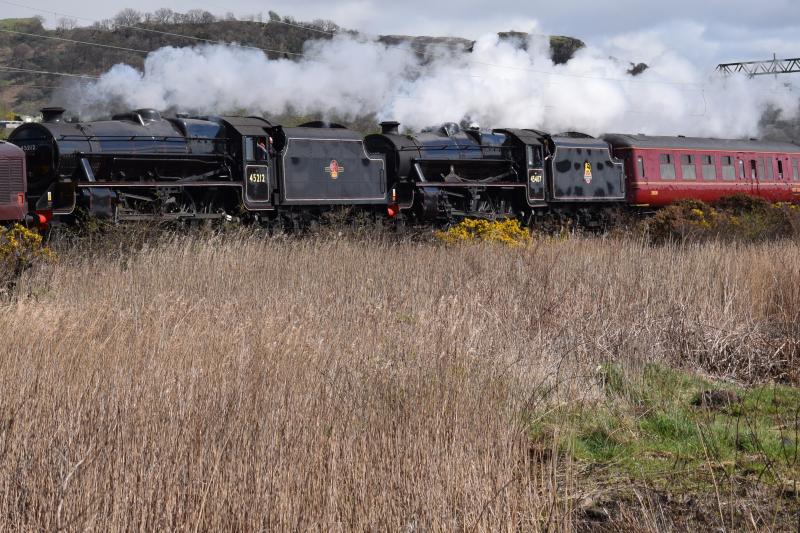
[482,149]
[474,184]
[156,184]
[482,161]
[137,137]
[144,155]
[170,159]
[450,147]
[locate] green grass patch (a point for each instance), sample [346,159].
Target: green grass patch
[652,426]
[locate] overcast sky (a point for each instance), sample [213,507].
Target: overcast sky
[708,31]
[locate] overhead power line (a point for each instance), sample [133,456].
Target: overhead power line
[31,85]
[309,28]
[298,54]
[590,77]
[54,38]
[47,73]
[138,28]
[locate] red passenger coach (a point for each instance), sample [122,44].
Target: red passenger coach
[12,183]
[662,170]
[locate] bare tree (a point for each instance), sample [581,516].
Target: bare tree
[198,16]
[163,16]
[128,17]
[66,24]
[207,18]
[103,25]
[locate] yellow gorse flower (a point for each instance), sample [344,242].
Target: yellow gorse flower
[20,247]
[508,232]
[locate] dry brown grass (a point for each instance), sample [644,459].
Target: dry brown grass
[251,383]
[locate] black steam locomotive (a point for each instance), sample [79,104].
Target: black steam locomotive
[141,165]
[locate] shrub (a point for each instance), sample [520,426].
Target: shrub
[20,248]
[506,231]
[742,203]
[687,219]
[735,218]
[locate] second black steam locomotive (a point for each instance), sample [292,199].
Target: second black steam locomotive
[140,165]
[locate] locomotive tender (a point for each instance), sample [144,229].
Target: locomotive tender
[140,165]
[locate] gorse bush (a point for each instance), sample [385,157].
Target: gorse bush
[736,218]
[507,232]
[20,248]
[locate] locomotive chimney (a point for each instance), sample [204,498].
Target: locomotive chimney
[390,127]
[53,114]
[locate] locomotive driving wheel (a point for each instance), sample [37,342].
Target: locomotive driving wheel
[492,208]
[178,205]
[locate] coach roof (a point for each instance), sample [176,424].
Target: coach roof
[699,143]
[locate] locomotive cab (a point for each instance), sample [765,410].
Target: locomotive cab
[251,144]
[258,153]
[528,151]
[315,164]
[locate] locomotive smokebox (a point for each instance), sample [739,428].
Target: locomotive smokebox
[53,114]
[390,127]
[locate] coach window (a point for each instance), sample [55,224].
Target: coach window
[756,171]
[728,170]
[780,169]
[709,168]
[640,161]
[667,167]
[760,166]
[768,163]
[742,169]
[687,167]
[795,173]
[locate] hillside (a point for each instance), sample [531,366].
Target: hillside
[26,93]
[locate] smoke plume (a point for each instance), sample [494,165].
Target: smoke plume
[500,83]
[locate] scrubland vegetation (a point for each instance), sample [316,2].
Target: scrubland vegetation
[350,382]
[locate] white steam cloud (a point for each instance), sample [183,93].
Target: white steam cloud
[499,84]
